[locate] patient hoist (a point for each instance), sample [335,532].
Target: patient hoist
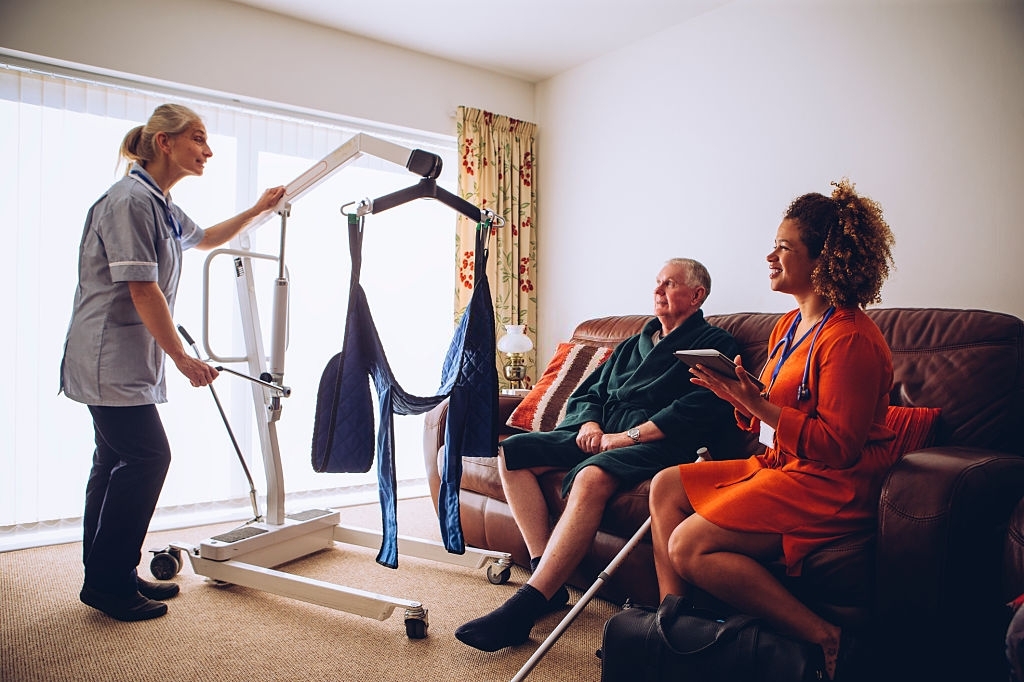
[248,554]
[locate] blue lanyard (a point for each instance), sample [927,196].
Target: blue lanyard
[787,345]
[172,222]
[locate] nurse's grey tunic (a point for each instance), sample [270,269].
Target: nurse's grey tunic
[131,234]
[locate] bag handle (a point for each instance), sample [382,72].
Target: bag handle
[669,610]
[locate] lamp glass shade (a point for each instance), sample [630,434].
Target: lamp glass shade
[515,339]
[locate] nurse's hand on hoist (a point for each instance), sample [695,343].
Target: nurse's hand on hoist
[269,199]
[225,231]
[152,308]
[197,371]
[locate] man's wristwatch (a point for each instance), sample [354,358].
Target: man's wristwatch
[634,433]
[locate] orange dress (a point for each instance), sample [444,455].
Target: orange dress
[823,477]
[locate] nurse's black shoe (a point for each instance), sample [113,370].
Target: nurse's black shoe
[157,591]
[125,608]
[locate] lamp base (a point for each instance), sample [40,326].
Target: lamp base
[515,370]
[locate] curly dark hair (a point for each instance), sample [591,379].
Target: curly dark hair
[850,239]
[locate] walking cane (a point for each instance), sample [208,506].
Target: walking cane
[702,455]
[582,603]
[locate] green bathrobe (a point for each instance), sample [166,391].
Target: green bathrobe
[641,381]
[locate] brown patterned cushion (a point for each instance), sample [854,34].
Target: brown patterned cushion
[544,406]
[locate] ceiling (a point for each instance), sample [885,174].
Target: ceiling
[528,39]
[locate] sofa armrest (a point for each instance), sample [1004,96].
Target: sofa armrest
[943,514]
[433,437]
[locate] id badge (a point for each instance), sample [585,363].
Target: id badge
[767,436]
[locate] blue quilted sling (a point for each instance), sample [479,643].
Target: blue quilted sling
[343,424]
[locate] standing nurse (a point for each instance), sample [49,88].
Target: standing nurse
[121,328]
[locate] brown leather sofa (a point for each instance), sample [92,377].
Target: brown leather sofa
[926,593]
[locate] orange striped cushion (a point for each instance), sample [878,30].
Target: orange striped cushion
[544,406]
[914,427]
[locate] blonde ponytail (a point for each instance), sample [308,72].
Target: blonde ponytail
[171,119]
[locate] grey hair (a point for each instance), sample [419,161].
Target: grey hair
[696,274]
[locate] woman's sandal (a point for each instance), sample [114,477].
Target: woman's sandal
[831,652]
[841,658]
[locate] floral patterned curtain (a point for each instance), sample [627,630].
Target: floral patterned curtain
[497,173]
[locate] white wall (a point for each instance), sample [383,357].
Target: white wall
[236,49]
[693,143]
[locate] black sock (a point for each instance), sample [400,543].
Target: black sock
[507,625]
[561,596]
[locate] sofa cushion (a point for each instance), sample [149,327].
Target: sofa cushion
[968,362]
[914,426]
[480,474]
[544,406]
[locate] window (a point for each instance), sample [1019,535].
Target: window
[59,138]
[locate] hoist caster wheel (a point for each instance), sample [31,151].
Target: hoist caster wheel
[497,575]
[415,628]
[416,622]
[166,563]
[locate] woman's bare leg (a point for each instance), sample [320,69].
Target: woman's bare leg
[728,565]
[669,506]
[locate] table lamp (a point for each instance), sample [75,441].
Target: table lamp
[514,344]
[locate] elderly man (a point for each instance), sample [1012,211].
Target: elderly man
[635,416]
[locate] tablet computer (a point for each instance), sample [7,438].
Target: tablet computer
[713,360]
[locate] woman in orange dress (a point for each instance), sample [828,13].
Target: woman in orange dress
[821,418]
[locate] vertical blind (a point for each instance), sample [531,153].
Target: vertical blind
[59,137]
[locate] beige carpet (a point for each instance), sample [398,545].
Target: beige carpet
[236,633]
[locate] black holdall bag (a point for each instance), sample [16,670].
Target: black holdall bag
[680,642]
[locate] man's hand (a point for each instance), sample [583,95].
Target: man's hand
[610,441]
[590,438]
